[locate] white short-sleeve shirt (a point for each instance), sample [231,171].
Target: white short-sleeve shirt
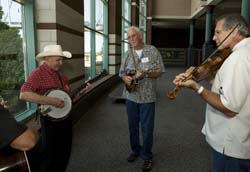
[231,136]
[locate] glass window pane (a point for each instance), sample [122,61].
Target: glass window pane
[142,19]
[99,53]
[96,56]
[11,55]
[99,16]
[127,11]
[142,8]
[126,23]
[126,27]
[87,12]
[127,46]
[87,57]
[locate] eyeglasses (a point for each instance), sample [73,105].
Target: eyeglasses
[131,36]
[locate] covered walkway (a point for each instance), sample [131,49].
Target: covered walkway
[101,141]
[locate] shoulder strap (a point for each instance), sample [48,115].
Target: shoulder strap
[61,81]
[133,57]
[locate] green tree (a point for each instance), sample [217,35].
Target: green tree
[11,62]
[11,57]
[2,25]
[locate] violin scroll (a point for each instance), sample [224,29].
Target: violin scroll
[173,94]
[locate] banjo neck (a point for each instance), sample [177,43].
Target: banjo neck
[55,113]
[78,93]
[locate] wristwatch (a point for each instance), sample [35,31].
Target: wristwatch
[200,90]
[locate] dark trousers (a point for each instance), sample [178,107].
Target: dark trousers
[223,163]
[55,146]
[141,114]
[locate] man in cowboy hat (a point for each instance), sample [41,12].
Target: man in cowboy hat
[56,135]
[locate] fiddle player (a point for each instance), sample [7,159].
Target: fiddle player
[227,124]
[140,102]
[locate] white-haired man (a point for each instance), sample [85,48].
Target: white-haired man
[146,62]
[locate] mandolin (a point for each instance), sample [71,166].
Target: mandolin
[134,83]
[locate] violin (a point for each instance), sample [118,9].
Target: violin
[208,67]
[203,71]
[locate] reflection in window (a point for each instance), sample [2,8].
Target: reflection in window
[99,16]
[87,52]
[11,54]
[87,13]
[99,53]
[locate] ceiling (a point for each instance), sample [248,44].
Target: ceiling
[225,6]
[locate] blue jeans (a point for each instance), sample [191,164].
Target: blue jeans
[223,163]
[141,113]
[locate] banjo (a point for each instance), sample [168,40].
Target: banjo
[55,113]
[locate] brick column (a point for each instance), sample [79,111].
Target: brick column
[149,22]
[135,11]
[115,21]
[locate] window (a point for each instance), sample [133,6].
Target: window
[126,23]
[143,18]
[16,37]
[95,37]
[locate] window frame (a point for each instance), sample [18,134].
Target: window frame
[143,16]
[29,44]
[125,21]
[93,32]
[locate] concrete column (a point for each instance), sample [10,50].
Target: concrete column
[191,32]
[135,12]
[245,9]
[209,18]
[208,46]
[190,60]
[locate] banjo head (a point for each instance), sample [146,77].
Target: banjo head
[55,112]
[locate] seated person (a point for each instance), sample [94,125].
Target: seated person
[13,134]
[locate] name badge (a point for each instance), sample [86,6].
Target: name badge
[144,60]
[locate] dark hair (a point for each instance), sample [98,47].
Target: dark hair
[231,20]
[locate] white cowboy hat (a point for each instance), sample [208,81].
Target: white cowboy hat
[53,50]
